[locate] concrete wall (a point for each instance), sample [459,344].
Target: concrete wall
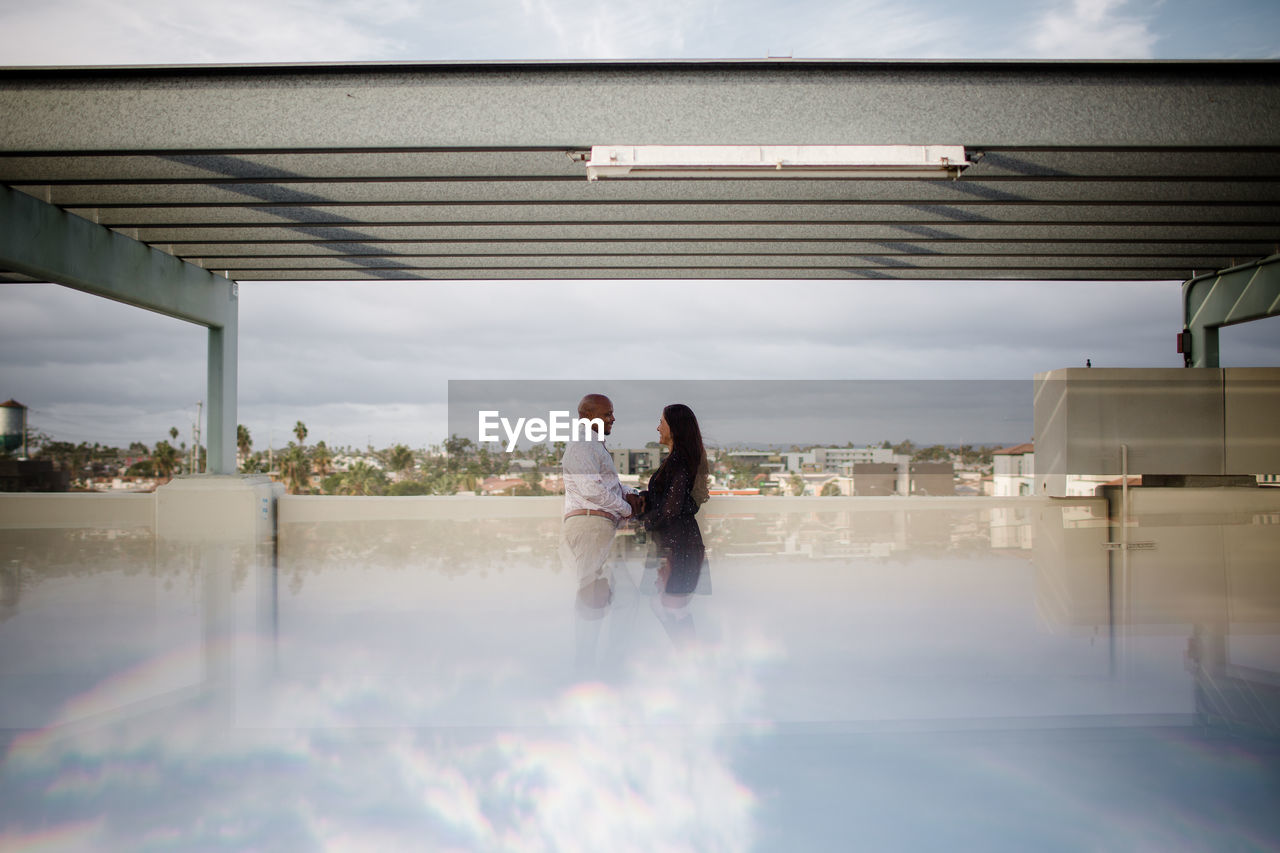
[72,509]
[228,509]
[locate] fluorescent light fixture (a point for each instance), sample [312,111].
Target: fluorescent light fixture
[775,161]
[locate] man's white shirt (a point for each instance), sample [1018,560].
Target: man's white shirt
[591,481]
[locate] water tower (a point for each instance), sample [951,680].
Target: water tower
[13,426]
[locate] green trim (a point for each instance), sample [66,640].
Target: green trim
[45,242]
[1236,295]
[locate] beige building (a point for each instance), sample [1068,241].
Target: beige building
[1013,471]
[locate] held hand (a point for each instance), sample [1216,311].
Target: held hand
[637,505]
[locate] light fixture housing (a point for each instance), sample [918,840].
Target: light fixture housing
[775,161]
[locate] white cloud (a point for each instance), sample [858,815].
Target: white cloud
[1093,29]
[372,360]
[94,32]
[617,30]
[874,29]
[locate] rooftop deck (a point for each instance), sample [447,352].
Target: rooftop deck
[899,672]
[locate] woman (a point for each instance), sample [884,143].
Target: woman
[675,492]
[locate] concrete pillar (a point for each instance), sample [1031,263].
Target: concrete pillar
[229,509]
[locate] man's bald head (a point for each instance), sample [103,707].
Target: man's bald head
[593,405]
[597,406]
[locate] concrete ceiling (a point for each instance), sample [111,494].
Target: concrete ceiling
[1084,170]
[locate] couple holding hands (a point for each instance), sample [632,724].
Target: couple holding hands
[596,502]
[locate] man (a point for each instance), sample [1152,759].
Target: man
[594,504]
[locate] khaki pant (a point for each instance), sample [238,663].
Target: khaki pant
[585,541]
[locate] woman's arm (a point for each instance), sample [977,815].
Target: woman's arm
[665,504]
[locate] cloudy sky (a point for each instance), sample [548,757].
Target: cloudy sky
[371,362]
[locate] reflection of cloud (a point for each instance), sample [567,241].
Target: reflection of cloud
[1093,29]
[639,765]
[76,836]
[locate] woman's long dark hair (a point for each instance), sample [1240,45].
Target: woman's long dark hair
[686,439]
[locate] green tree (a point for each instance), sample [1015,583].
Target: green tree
[830,489]
[399,458]
[244,442]
[300,430]
[321,458]
[797,484]
[533,484]
[256,463]
[64,454]
[457,448]
[295,469]
[164,458]
[441,481]
[743,475]
[409,487]
[363,479]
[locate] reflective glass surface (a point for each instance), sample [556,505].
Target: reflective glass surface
[883,674]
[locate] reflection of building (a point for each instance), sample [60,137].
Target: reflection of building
[1009,527]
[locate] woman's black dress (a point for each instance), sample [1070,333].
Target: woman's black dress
[670,514]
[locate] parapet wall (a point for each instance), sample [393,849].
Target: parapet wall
[1204,421]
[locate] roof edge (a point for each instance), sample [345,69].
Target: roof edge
[648,64]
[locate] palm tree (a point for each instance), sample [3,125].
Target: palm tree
[244,442]
[165,459]
[455,448]
[295,469]
[321,458]
[300,430]
[178,457]
[363,479]
[400,458]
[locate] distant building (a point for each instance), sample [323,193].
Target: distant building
[33,475]
[933,478]
[630,460]
[501,485]
[1013,471]
[799,461]
[873,479]
[840,460]
[13,427]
